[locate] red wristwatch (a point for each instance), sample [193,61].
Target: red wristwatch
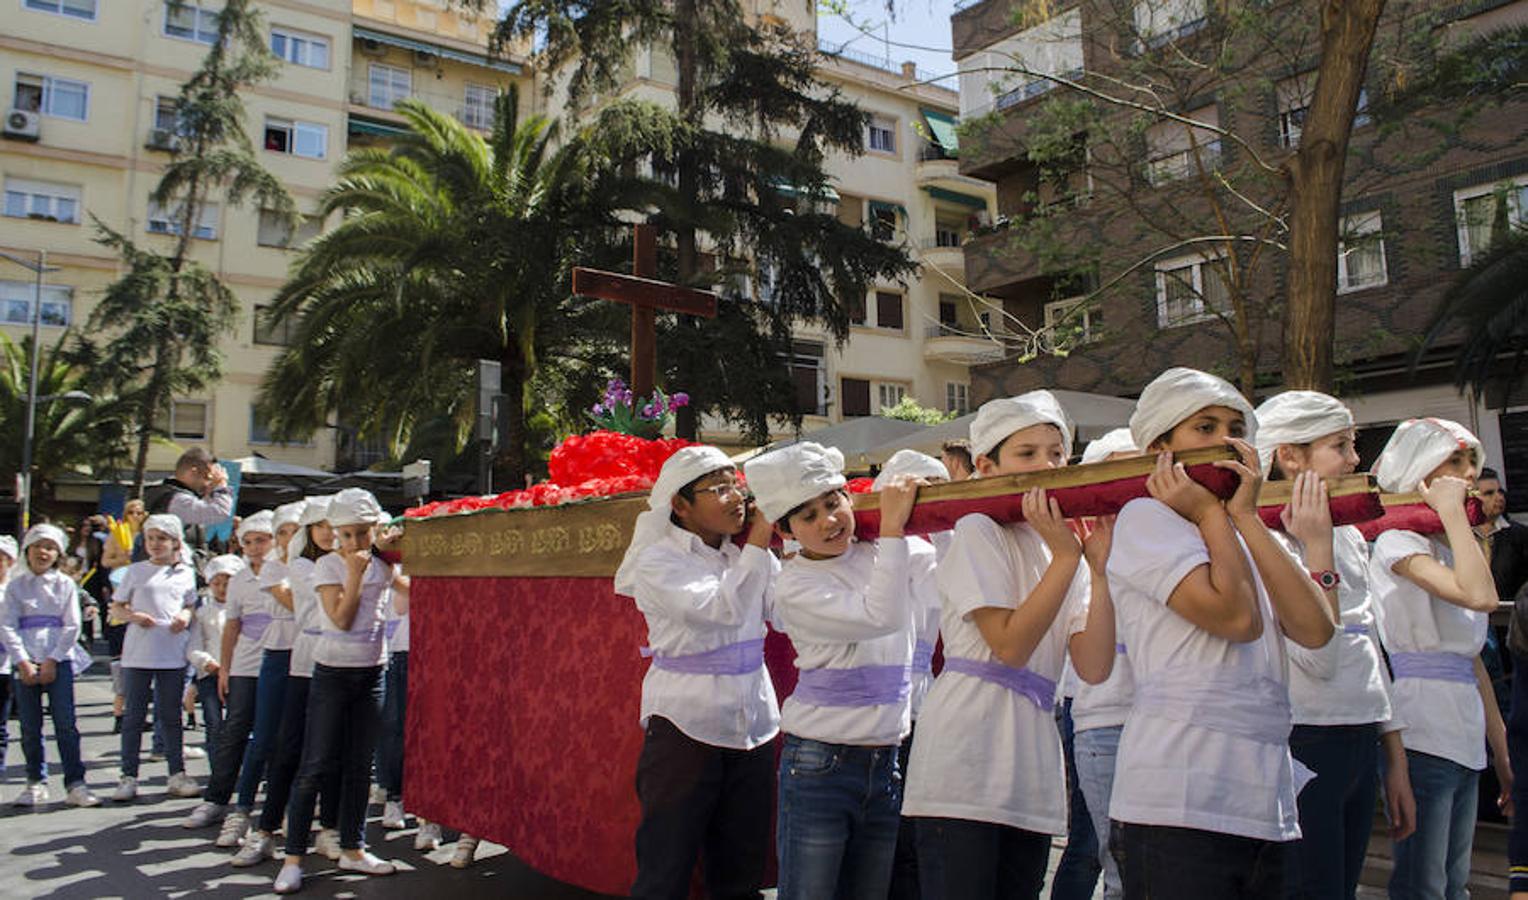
[1327,579]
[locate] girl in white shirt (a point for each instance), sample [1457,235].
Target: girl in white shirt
[1205,787]
[40,627]
[986,778]
[1435,595]
[9,553]
[848,609]
[1339,693]
[207,643]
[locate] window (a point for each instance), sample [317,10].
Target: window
[1294,97]
[186,421]
[883,221]
[42,200]
[1053,47]
[16,303]
[260,433]
[300,49]
[1175,150]
[888,310]
[1361,253]
[881,134]
[272,333]
[949,310]
[276,230]
[162,221]
[1190,290]
[1479,214]
[890,395]
[387,85]
[79,9]
[807,372]
[166,117]
[1072,319]
[60,98]
[307,139]
[1161,22]
[477,106]
[853,397]
[948,233]
[957,398]
[190,23]
[857,311]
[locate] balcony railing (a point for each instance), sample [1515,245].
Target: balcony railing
[841,51]
[473,115]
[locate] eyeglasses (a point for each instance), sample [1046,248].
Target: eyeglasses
[723,492]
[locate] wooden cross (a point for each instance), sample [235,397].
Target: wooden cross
[646,295]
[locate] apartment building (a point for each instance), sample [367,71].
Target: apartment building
[1411,220]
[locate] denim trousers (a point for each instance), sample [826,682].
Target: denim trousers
[340,737]
[61,703]
[6,697]
[1161,861]
[1097,750]
[285,758]
[233,738]
[1336,810]
[212,711]
[1434,863]
[270,697]
[394,710]
[961,859]
[840,807]
[165,685]
[1077,873]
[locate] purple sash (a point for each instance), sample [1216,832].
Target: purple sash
[1120,649]
[253,625]
[1455,667]
[313,632]
[32,623]
[923,658]
[391,628]
[369,636]
[857,686]
[1040,690]
[741,658]
[1357,629]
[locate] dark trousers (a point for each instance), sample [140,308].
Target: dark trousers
[1077,873]
[959,859]
[165,685]
[270,698]
[1159,862]
[5,718]
[212,712]
[1517,749]
[1336,810]
[344,717]
[60,694]
[701,802]
[238,722]
[285,760]
[394,710]
[904,865]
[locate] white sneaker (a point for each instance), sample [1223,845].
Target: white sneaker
[183,785]
[126,790]
[288,880]
[328,843]
[428,838]
[366,864]
[234,829]
[258,848]
[205,814]
[378,794]
[466,848]
[392,815]
[80,795]
[154,756]
[34,794]
[194,753]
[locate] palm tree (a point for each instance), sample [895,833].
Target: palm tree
[1488,307]
[450,249]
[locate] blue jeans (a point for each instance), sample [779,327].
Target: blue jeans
[340,736]
[1336,810]
[138,685]
[1434,863]
[212,711]
[1077,873]
[394,710]
[1097,750]
[961,859]
[61,701]
[840,808]
[270,696]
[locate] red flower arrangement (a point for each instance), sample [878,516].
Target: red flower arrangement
[860,485]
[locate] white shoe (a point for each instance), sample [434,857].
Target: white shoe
[194,753]
[80,795]
[234,829]
[154,756]
[34,794]
[328,843]
[126,790]
[378,794]
[258,848]
[466,848]
[392,815]
[183,785]
[288,880]
[428,838]
[366,864]
[205,814]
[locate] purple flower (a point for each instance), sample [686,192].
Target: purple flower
[679,399]
[626,398]
[647,411]
[599,409]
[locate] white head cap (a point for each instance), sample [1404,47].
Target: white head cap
[1117,441]
[355,506]
[314,510]
[1419,446]
[786,478]
[910,463]
[685,466]
[45,532]
[9,548]
[1298,417]
[997,419]
[1179,393]
[227,564]
[287,514]
[167,524]
[262,521]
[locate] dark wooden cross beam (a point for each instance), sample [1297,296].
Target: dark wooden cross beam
[646,295]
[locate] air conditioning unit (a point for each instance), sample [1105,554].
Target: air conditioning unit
[163,139]
[23,125]
[372,47]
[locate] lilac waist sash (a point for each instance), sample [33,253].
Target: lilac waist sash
[923,658]
[391,628]
[1355,629]
[369,636]
[253,625]
[32,623]
[1120,649]
[856,686]
[1040,690]
[312,632]
[1455,667]
[741,658]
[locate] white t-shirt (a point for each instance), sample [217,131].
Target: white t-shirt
[207,634]
[1105,705]
[1344,682]
[926,625]
[283,627]
[983,752]
[697,599]
[362,644]
[397,626]
[40,618]
[1443,718]
[305,608]
[162,592]
[1171,772]
[251,607]
[850,611]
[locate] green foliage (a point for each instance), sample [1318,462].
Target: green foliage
[908,410]
[1487,308]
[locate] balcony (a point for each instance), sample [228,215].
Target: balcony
[944,252]
[954,344]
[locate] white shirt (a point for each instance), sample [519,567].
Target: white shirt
[251,607]
[1343,682]
[397,626]
[854,610]
[1107,704]
[696,599]
[162,592]
[1443,718]
[983,752]
[1170,772]
[207,634]
[29,597]
[306,610]
[926,622]
[283,628]
[362,644]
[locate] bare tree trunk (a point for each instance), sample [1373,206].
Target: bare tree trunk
[1316,172]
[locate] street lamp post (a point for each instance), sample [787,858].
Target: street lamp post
[38,268]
